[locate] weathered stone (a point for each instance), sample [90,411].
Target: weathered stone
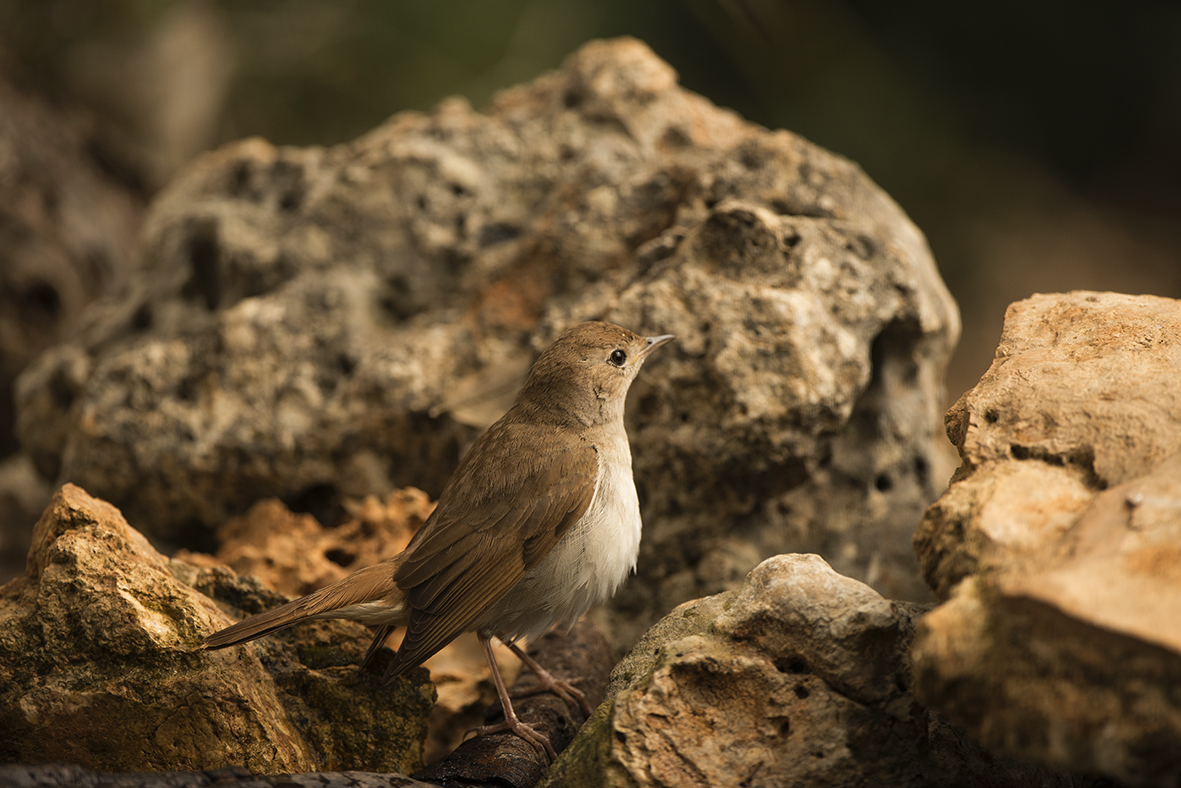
[295,555]
[801,677]
[1058,544]
[101,665]
[1082,396]
[319,323]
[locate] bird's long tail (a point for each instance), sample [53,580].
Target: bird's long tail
[368,595]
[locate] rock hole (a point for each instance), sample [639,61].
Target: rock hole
[791,665]
[497,232]
[922,470]
[205,266]
[322,501]
[291,198]
[572,98]
[340,557]
[802,692]
[61,392]
[239,177]
[883,483]
[784,726]
[142,319]
[674,138]
[42,302]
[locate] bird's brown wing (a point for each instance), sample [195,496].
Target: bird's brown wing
[469,554]
[371,584]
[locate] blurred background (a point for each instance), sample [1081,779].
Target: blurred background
[1034,142]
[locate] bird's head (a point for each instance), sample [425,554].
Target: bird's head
[587,371]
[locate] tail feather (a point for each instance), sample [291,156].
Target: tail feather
[379,639]
[373,584]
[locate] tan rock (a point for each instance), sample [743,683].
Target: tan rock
[101,665]
[1082,396]
[1059,542]
[295,555]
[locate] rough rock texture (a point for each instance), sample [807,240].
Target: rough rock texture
[1059,543]
[295,555]
[801,677]
[101,665]
[315,323]
[497,760]
[1082,396]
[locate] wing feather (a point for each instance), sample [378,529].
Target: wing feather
[467,556]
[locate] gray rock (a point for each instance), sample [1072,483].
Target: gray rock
[313,323]
[801,677]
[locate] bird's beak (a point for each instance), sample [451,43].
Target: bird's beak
[655,342]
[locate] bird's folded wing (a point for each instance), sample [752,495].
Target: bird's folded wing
[467,558]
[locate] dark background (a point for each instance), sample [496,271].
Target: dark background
[1035,143]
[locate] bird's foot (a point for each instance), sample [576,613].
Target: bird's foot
[511,723]
[573,696]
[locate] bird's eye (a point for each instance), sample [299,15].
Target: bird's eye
[618,357]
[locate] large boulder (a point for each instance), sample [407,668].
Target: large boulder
[317,323]
[1058,545]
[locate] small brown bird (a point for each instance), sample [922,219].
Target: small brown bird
[539,522]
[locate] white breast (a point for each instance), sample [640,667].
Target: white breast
[586,567]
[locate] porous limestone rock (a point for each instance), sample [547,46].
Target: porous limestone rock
[101,665]
[801,677]
[1058,545]
[1082,396]
[317,323]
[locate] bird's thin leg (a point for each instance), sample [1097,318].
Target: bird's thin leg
[573,696]
[511,721]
